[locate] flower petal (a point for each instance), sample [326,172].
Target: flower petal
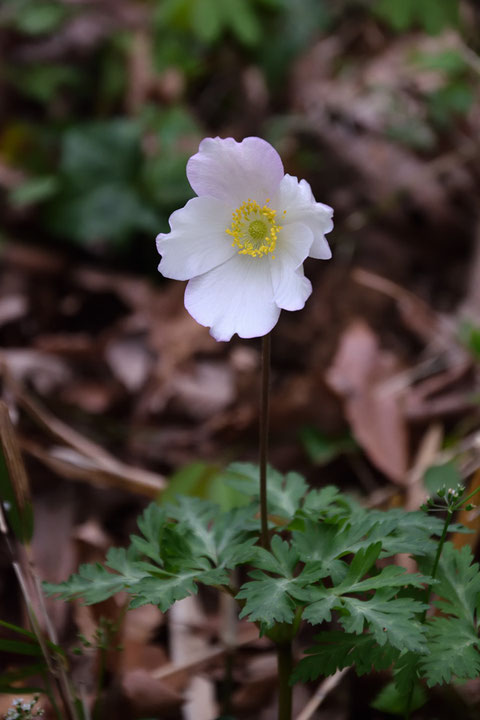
[197,241]
[296,198]
[236,297]
[234,172]
[290,287]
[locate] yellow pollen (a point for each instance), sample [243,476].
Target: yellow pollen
[253,229]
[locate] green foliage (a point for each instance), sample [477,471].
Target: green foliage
[42,82]
[431,15]
[335,650]
[321,449]
[285,493]
[34,17]
[470,336]
[99,197]
[455,98]
[178,548]
[326,563]
[441,476]
[203,480]
[453,637]
[208,20]
[390,700]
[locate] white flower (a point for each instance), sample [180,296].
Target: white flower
[242,242]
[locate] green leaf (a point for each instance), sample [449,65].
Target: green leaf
[407,672]
[453,646]
[152,525]
[39,17]
[451,62]
[362,562]
[167,588]
[100,152]
[106,212]
[244,24]
[391,620]
[285,493]
[328,503]
[391,700]
[203,480]
[206,19]
[454,99]
[335,650]
[93,583]
[194,517]
[322,449]
[43,82]
[19,647]
[458,583]
[33,191]
[400,15]
[438,476]
[267,599]
[470,336]
[432,15]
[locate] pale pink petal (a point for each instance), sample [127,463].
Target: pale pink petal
[197,241]
[290,287]
[234,172]
[296,198]
[236,297]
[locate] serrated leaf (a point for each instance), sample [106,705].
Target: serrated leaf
[335,650]
[167,588]
[458,582]
[235,533]
[321,610]
[362,562]
[407,672]
[453,651]
[92,583]
[152,525]
[194,517]
[328,502]
[390,620]
[267,599]
[285,494]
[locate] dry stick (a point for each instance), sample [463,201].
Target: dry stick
[319,696]
[264,424]
[26,576]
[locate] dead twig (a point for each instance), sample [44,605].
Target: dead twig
[319,696]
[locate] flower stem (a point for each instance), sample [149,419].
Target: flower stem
[285,666]
[264,423]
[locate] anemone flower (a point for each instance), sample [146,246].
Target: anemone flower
[242,241]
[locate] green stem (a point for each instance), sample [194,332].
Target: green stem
[428,590]
[285,667]
[441,543]
[264,423]
[469,497]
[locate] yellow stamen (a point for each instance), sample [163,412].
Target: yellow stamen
[254,229]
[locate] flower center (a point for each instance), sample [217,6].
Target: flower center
[254,229]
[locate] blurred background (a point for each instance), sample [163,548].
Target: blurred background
[117,393]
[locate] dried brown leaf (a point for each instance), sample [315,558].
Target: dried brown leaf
[358,374]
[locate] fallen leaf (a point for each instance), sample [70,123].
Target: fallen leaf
[358,375]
